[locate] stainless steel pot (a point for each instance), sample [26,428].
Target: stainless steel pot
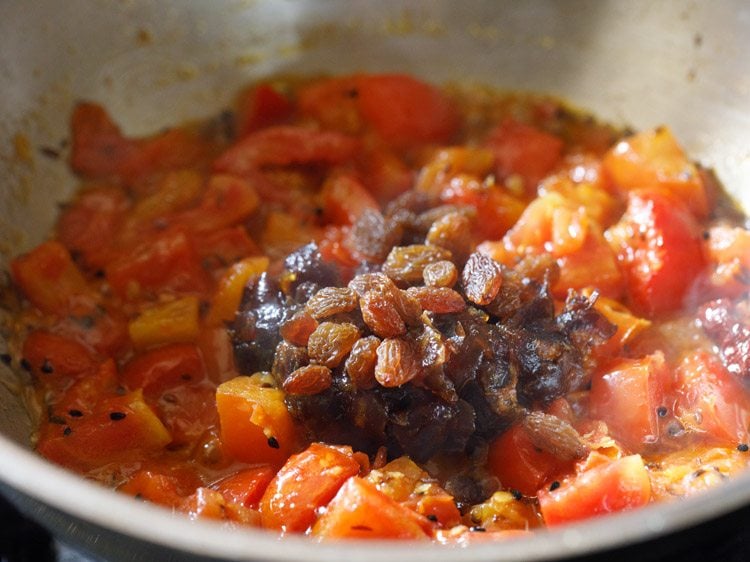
[155,63]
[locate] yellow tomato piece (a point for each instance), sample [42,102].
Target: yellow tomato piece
[255,424]
[227,298]
[171,322]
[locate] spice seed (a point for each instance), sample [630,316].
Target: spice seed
[117,416]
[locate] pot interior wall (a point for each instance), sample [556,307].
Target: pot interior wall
[153,63]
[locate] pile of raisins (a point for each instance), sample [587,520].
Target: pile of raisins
[426,347]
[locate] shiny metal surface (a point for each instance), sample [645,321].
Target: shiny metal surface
[154,63]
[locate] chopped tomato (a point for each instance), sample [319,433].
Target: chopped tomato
[166,263]
[593,264]
[406,111]
[333,103]
[386,175]
[163,367]
[101,151]
[247,486]
[521,466]
[51,281]
[162,489]
[654,160]
[261,106]
[728,254]
[228,294]
[627,396]
[89,225]
[345,199]
[169,322]
[496,209]
[52,356]
[308,481]
[711,402]
[628,325]
[658,244]
[84,394]
[225,246]
[255,424]
[173,192]
[359,510]
[226,201]
[609,487]
[210,504]
[334,247]
[123,427]
[283,145]
[524,150]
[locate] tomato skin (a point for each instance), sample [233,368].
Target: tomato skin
[612,486]
[406,111]
[524,150]
[520,465]
[306,482]
[627,395]
[711,402]
[658,244]
[359,510]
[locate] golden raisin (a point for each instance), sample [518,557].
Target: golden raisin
[405,264]
[381,315]
[397,363]
[481,279]
[307,380]
[440,300]
[298,328]
[330,301]
[360,365]
[452,232]
[440,274]
[331,342]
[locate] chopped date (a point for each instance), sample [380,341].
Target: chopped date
[308,380]
[287,359]
[405,264]
[440,274]
[330,343]
[373,235]
[481,279]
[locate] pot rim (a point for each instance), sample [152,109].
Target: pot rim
[35,477]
